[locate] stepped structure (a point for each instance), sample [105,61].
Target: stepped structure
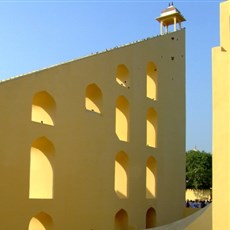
[97,142]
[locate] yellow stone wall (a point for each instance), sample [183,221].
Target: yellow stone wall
[198,194]
[87,145]
[221,123]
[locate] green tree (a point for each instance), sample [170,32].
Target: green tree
[198,170]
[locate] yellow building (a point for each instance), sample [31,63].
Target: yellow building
[216,216]
[98,142]
[221,123]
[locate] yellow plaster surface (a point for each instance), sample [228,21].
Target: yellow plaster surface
[200,220]
[194,194]
[221,123]
[74,152]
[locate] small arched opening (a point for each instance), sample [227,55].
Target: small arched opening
[41,221]
[150,218]
[43,108]
[151,178]
[122,76]
[121,220]
[151,128]
[121,175]
[93,98]
[122,119]
[151,81]
[41,171]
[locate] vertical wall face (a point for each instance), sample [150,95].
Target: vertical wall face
[97,143]
[170,110]
[221,123]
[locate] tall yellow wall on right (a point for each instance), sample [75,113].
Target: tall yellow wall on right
[221,123]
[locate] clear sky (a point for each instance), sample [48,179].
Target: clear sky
[39,34]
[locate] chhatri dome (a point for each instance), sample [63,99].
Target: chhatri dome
[170,16]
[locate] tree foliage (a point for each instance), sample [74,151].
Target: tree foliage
[198,170]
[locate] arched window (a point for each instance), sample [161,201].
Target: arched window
[151,128]
[151,218]
[43,108]
[151,81]
[41,221]
[121,175]
[121,220]
[151,178]
[41,171]
[122,118]
[122,76]
[93,98]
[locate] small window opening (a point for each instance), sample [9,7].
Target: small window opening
[151,178]
[121,175]
[43,108]
[151,81]
[122,119]
[93,98]
[41,171]
[122,76]
[151,128]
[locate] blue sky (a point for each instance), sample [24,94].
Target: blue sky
[38,34]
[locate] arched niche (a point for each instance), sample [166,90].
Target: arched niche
[151,178]
[122,119]
[151,128]
[121,175]
[41,221]
[93,98]
[43,108]
[150,218]
[151,81]
[41,170]
[121,220]
[122,76]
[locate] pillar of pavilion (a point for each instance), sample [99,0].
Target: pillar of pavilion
[170,16]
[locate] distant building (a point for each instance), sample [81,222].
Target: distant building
[97,143]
